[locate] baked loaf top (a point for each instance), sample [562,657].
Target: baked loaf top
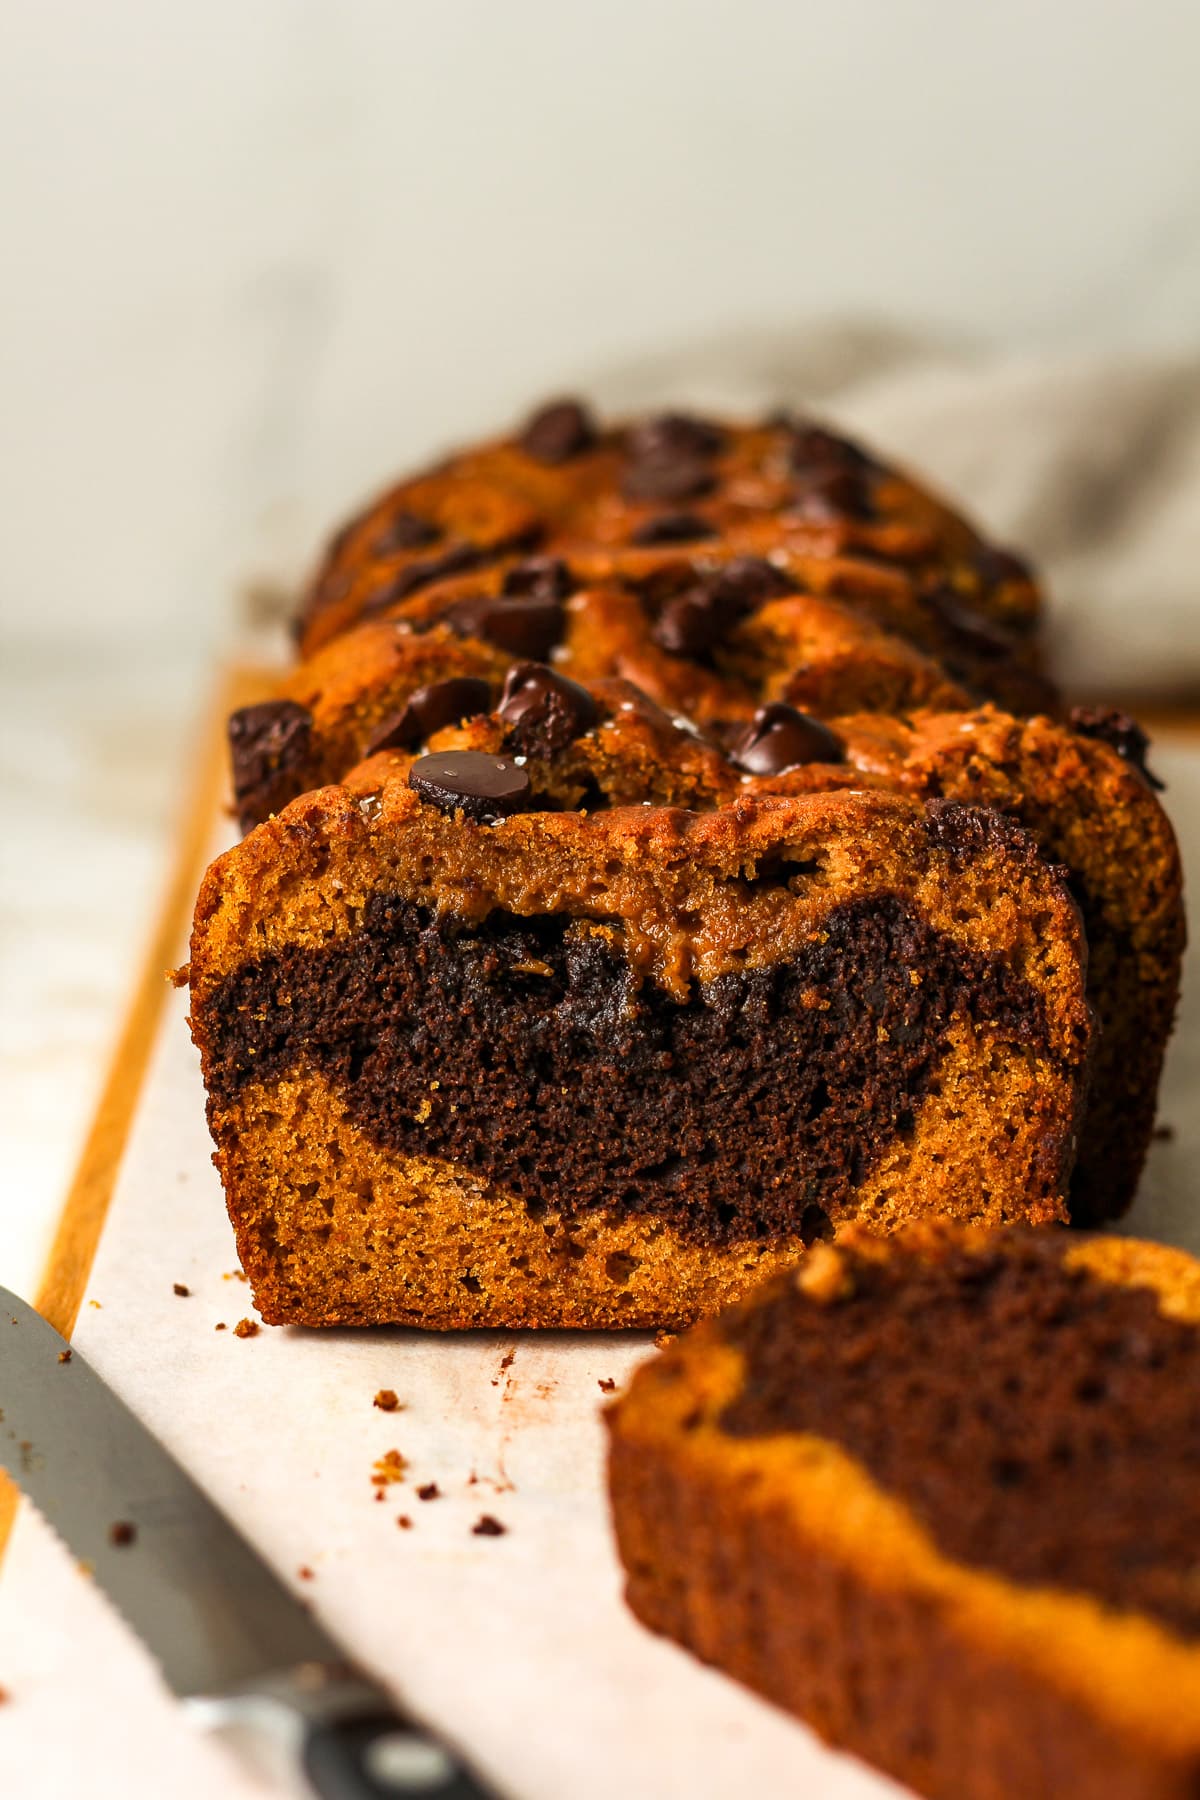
[625,503]
[1004,1427]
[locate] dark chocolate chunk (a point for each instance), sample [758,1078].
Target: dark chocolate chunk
[1121,732]
[484,788]
[428,710]
[967,832]
[672,528]
[813,449]
[269,748]
[996,565]
[830,494]
[670,458]
[748,581]
[488,1526]
[405,531]
[558,432]
[122,1533]
[543,710]
[539,578]
[976,634]
[423,573]
[690,623]
[524,625]
[779,737]
[669,435]
[668,478]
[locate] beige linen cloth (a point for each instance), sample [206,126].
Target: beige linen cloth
[1089,462]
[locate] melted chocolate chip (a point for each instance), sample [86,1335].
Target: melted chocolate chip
[748,581]
[269,748]
[829,494]
[691,622]
[539,578]
[422,573]
[1120,732]
[812,449]
[672,528]
[670,458]
[543,710]
[405,531]
[977,635]
[558,432]
[668,478]
[524,626]
[428,710]
[673,435]
[484,788]
[996,565]
[779,737]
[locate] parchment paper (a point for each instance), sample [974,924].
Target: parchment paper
[518,1645]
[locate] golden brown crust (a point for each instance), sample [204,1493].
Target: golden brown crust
[781,1561]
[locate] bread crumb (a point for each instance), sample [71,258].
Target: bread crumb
[1163,1134]
[235,1275]
[221,1327]
[179,1288]
[387,1400]
[823,1276]
[122,1533]
[429,1491]
[390,1467]
[663,1339]
[65,1355]
[607,1385]
[305,1573]
[96,1304]
[246,1328]
[5,1696]
[487,1526]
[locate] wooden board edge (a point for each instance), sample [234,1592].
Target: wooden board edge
[59,1294]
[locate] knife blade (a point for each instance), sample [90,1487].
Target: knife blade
[231,1641]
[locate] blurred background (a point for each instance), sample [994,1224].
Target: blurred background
[259,255]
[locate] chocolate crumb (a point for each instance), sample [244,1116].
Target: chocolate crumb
[221,1327]
[64,1356]
[179,1288]
[429,1491]
[305,1573]
[246,1328]
[387,1400]
[487,1526]
[122,1533]
[1162,1134]
[607,1385]
[404,1522]
[390,1467]
[5,1696]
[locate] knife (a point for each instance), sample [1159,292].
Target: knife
[242,1653]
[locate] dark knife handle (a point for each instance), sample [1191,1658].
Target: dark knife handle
[338,1728]
[384,1758]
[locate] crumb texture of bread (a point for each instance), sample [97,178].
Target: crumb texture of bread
[936,1494]
[609,1069]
